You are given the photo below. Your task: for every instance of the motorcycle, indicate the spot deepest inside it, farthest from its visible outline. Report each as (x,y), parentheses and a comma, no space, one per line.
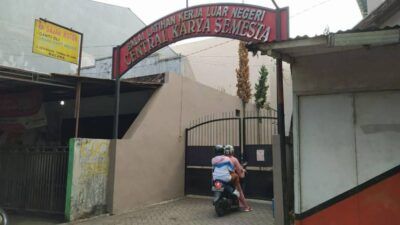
(3,217)
(225,200)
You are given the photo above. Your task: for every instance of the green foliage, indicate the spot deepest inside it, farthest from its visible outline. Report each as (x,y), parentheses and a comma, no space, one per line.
(262,89)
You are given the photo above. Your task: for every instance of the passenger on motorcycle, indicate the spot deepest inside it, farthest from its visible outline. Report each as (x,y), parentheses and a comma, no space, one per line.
(230,152)
(223,169)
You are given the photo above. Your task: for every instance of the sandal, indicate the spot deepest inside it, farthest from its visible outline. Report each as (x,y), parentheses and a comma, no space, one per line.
(248,209)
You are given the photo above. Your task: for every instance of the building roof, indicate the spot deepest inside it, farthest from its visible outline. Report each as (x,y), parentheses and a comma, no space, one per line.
(329,43)
(61,86)
(377,17)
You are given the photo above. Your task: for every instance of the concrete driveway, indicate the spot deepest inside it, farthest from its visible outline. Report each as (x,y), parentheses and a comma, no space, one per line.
(31,219)
(187,211)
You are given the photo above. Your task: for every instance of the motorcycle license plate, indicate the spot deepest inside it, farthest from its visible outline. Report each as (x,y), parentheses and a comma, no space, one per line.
(217,189)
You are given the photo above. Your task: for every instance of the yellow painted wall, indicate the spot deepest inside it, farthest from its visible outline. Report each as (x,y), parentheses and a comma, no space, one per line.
(87,178)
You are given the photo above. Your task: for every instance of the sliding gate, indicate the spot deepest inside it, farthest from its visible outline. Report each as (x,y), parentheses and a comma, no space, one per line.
(33,179)
(254,133)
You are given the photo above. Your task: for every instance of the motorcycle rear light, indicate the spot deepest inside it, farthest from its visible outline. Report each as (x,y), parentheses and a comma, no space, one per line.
(218,185)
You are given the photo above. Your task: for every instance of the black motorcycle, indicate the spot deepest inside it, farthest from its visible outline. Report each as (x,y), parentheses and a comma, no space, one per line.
(3,217)
(224,199)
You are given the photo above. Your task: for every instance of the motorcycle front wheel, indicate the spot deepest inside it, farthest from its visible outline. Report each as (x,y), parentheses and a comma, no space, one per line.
(3,217)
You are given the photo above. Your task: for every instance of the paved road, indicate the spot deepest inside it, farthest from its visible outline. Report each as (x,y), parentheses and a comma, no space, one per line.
(187,211)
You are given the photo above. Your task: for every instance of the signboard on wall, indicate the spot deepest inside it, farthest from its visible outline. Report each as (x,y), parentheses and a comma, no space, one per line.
(55,41)
(237,21)
(260,155)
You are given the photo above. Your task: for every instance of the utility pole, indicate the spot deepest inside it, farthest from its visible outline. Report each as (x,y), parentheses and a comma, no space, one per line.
(281,119)
(78,91)
(116,75)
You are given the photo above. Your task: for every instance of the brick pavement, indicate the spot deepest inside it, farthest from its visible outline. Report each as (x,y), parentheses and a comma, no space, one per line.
(186,211)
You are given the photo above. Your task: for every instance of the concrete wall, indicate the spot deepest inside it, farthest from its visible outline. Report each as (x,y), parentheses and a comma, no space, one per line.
(148,163)
(392,21)
(88,168)
(358,70)
(214,62)
(151,65)
(345,121)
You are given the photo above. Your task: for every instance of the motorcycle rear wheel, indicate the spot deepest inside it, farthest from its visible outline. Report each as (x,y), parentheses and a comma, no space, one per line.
(220,211)
(221,207)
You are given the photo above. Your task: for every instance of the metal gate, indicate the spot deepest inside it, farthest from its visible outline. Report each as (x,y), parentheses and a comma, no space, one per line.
(254,132)
(257,144)
(33,179)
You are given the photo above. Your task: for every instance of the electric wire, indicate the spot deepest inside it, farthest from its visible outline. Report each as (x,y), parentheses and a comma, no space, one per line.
(113,45)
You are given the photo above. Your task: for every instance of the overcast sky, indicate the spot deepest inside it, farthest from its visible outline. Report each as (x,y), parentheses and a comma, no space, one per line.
(307,17)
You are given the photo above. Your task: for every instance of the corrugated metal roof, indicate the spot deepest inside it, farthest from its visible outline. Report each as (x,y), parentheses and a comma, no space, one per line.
(354,30)
(328,43)
(61,86)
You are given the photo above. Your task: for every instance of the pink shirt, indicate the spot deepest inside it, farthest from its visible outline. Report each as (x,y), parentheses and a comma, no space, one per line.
(238,168)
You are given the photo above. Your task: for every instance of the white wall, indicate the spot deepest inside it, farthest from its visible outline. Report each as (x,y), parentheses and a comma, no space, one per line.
(377,132)
(346,126)
(326,147)
(346,140)
(103,26)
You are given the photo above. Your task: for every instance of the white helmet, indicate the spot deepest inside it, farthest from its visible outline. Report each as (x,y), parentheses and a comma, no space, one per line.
(229,150)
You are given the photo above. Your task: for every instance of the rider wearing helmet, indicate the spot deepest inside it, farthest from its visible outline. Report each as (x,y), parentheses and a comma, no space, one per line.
(223,169)
(240,171)
(229,151)
(219,150)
